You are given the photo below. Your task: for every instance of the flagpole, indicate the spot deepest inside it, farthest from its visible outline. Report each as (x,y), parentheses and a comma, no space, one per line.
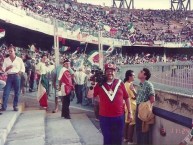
(56,43)
(85,48)
(100,50)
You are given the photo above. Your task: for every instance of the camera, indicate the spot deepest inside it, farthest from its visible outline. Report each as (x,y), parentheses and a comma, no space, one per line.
(98,76)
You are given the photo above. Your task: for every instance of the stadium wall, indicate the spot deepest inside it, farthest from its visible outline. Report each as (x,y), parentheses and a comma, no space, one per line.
(174,113)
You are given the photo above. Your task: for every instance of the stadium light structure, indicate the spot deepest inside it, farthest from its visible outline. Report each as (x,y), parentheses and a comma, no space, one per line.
(180,5)
(123,3)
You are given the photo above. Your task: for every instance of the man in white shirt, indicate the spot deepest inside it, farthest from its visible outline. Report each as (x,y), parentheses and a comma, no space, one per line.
(80,87)
(41,67)
(14,67)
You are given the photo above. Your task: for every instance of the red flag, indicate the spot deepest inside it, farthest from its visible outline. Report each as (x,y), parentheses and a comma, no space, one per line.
(62,40)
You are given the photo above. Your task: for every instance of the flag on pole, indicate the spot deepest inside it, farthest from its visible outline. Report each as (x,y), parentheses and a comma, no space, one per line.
(42,96)
(79,63)
(94,58)
(2,33)
(62,40)
(147,55)
(107,28)
(109,50)
(32,48)
(64,48)
(113,31)
(131,28)
(75,52)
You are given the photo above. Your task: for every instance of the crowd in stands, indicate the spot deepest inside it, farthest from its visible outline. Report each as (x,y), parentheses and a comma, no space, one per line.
(149,25)
(79,58)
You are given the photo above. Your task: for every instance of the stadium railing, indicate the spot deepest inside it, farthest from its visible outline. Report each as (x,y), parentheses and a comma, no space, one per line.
(175,74)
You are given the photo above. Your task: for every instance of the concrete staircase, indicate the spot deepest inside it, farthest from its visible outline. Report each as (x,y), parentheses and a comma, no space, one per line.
(28,129)
(39,127)
(88,133)
(59,131)
(7,120)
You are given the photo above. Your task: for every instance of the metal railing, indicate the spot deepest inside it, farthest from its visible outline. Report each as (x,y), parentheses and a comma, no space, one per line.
(177,74)
(171,77)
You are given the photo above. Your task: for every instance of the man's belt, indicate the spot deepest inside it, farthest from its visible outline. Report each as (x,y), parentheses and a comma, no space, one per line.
(12,74)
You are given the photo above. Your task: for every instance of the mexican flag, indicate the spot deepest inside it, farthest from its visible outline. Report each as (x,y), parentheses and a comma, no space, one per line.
(109,50)
(94,58)
(112,31)
(42,96)
(2,33)
(131,28)
(107,28)
(64,48)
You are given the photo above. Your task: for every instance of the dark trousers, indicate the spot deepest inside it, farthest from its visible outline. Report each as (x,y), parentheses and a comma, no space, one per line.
(96,109)
(112,129)
(142,138)
(79,89)
(65,106)
(31,81)
(12,81)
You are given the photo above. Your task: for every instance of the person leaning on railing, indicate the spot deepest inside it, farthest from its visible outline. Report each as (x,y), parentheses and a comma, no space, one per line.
(145,94)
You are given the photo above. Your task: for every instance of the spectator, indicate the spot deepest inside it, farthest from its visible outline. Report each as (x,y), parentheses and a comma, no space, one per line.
(145,93)
(130,126)
(112,94)
(65,86)
(14,67)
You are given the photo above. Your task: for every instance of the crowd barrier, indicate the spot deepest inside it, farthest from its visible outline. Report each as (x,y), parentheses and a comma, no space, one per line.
(178,74)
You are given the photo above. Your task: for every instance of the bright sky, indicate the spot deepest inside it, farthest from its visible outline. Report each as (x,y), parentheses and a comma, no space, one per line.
(138,4)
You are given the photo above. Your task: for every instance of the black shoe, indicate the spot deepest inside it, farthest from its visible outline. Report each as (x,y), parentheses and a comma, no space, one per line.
(77,102)
(15,109)
(54,111)
(1,113)
(31,90)
(67,117)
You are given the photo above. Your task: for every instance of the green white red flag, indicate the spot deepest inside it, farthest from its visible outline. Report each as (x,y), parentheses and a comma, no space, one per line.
(94,58)
(42,96)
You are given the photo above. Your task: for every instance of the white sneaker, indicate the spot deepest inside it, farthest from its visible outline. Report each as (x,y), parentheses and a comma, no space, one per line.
(131,143)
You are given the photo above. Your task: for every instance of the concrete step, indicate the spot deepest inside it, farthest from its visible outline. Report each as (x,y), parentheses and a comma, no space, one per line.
(59,131)
(29,129)
(89,134)
(7,120)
